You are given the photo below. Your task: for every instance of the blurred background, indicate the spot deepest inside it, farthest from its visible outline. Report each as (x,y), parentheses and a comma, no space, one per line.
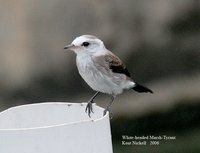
(158,40)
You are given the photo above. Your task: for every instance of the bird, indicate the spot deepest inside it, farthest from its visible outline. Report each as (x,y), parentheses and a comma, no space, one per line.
(102,70)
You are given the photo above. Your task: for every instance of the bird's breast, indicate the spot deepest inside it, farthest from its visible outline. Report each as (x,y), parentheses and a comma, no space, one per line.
(93,77)
(87,70)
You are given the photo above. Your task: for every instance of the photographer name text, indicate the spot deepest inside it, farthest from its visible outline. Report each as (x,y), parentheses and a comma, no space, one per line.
(146,140)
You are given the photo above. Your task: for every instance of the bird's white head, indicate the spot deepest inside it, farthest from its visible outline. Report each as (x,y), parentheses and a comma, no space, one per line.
(86,44)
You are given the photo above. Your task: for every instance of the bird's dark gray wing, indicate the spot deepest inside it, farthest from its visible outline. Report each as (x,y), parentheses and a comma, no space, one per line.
(116,65)
(113,63)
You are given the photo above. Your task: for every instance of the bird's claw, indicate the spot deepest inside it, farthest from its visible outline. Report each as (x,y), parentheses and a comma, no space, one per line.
(108,110)
(89,108)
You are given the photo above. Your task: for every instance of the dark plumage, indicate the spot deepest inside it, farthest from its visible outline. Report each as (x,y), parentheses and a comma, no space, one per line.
(116,65)
(140,88)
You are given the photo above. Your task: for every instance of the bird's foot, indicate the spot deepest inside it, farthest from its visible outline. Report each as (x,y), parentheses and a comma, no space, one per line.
(108,110)
(89,108)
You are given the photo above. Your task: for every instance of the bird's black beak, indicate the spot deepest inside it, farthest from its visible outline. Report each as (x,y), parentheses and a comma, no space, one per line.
(68,47)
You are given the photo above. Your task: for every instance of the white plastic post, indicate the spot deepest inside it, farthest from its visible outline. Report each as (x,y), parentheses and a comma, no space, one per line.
(54,128)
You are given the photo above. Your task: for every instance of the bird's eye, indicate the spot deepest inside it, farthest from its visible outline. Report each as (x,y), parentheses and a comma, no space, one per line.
(85,44)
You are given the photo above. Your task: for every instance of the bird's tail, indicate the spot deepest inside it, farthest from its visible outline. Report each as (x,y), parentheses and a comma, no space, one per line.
(140,88)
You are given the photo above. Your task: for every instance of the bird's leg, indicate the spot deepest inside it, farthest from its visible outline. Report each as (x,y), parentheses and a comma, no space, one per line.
(88,108)
(108,108)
